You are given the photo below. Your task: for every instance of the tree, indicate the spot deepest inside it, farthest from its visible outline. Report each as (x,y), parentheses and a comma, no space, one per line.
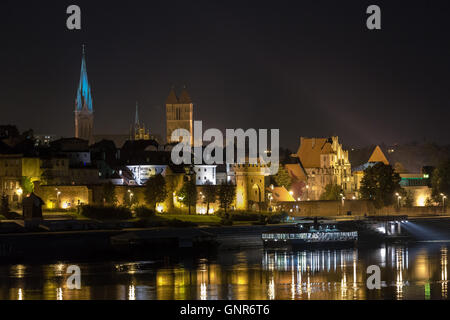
(440,180)
(26,185)
(47,177)
(109,194)
(129,199)
(188,193)
(408,197)
(155,190)
(4,207)
(332,192)
(380,183)
(282,178)
(429,202)
(210,194)
(174,182)
(227,194)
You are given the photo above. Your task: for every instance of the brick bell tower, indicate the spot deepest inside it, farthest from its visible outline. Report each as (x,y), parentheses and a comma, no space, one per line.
(179,114)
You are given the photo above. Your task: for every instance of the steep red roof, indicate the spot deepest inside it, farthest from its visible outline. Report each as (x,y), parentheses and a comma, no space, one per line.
(185,97)
(310,150)
(172,98)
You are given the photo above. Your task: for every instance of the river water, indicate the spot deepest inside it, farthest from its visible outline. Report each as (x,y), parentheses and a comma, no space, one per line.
(417,271)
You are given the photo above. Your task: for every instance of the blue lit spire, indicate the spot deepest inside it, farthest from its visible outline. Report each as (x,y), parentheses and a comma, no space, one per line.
(136,119)
(84,97)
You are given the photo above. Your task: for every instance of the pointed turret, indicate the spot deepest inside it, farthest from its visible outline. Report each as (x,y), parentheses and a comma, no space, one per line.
(185,97)
(172,98)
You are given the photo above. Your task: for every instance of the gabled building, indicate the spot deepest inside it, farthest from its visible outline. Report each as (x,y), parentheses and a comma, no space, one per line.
(12,168)
(417,184)
(325,162)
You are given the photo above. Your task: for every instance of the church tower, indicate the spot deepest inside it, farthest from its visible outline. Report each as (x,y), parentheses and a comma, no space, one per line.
(84,112)
(138,131)
(179,114)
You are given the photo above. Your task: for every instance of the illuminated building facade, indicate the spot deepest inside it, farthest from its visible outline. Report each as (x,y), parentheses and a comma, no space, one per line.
(325,162)
(250,185)
(205,174)
(416,184)
(142,173)
(12,169)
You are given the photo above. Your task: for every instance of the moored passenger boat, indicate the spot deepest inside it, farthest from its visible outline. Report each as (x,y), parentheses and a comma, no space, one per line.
(310,235)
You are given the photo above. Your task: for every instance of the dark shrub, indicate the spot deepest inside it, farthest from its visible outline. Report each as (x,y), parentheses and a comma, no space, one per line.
(262,220)
(226,222)
(144,212)
(4,206)
(277,218)
(180,224)
(245,217)
(106,212)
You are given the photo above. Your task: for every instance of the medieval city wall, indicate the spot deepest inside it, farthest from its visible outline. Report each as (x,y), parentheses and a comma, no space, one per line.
(356,207)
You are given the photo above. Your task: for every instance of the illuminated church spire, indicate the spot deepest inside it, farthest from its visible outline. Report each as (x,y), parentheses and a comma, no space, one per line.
(139,132)
(84,97)
(84,112)
(136,119)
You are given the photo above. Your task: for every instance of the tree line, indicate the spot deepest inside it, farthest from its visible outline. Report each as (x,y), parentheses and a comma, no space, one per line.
(156,190)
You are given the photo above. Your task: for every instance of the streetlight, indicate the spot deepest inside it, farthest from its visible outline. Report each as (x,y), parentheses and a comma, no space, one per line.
(443,201)
(131,194)
(57,198)
(19,192)
(398,199)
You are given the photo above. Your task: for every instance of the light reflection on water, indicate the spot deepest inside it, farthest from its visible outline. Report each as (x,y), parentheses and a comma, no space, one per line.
(415,272)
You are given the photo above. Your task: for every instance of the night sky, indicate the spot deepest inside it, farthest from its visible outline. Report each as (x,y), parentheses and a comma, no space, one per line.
(309,68)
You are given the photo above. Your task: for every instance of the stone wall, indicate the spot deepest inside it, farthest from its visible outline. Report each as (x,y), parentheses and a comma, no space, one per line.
(65,197)
(356,207)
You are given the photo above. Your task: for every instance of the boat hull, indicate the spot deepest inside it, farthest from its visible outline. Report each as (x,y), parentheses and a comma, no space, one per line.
(298,244)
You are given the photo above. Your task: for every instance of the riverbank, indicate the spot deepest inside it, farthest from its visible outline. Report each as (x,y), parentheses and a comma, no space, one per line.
(126,242)
(122,239)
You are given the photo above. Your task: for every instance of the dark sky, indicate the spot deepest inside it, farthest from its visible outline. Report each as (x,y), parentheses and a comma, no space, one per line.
(309,68)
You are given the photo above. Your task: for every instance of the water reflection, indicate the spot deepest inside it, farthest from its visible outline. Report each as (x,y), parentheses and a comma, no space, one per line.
(444,279)
(415,272)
